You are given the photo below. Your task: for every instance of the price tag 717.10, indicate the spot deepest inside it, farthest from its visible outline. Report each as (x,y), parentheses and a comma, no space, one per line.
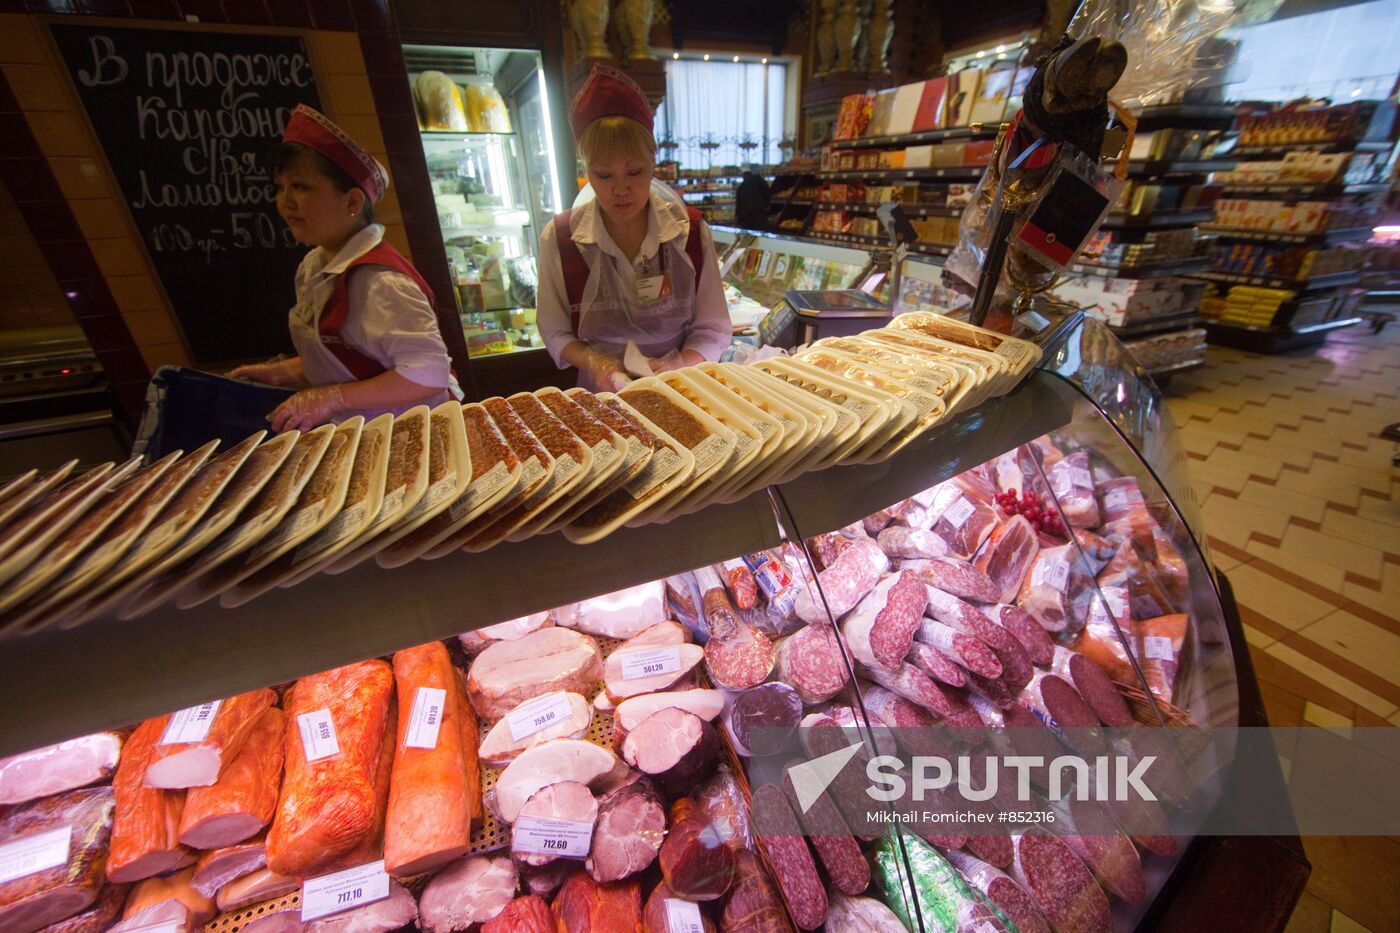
(343,890)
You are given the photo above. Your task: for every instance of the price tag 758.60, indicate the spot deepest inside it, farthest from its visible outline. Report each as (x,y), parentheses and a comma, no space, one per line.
(539,713)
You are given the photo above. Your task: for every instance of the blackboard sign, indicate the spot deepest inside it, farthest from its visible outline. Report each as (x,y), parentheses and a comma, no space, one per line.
(186,119)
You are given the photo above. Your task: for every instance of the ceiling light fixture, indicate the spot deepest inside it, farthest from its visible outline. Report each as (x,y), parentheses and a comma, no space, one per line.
(707,56)
(676,55)
(736,59)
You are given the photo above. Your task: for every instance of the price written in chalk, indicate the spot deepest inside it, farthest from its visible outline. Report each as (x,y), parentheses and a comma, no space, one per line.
(537,715)
(650,662)
(343,890)
(564,838)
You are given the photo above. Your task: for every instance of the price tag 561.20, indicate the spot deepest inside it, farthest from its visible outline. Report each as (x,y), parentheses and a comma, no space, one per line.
(343,890)
(537,714)
(649,662)
(564,838)
(318,737)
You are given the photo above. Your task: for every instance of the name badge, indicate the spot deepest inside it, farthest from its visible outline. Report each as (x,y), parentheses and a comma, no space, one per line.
(652,288)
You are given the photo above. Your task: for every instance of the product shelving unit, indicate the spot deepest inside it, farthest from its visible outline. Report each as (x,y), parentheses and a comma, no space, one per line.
(713,195)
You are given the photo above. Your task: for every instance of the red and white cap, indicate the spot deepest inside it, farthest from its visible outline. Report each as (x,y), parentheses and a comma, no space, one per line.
(313,129)
(608,93)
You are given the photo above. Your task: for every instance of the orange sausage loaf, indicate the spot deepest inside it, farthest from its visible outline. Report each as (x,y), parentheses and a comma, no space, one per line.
(146,832)
(245,797)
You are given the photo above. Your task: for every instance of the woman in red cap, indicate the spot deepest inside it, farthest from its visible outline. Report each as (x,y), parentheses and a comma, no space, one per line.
(632,265)
(366,337)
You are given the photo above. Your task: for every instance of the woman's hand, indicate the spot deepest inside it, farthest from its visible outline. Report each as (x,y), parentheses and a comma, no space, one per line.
(286,374)
(308,409)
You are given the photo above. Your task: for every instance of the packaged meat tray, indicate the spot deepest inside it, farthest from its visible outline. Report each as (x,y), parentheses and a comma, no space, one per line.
(405,482)
(23,494)
(799,429)
(754,432)
(609,457)
(1021,355)
(977,370)
(22,542)
(948,381)
(14,494)
(711,444)
(929,408)
(639,443)
(879,415)
(832,425)
(495,472)
(998,368)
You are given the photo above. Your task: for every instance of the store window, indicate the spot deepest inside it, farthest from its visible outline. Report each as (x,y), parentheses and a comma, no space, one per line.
(723,112)
(1344,54)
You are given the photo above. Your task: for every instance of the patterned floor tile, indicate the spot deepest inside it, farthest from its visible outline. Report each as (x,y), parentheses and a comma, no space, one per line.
(1276,600)
(1307,567)
(1345,555)
(1331,679)
(1358,641)
(1284,500)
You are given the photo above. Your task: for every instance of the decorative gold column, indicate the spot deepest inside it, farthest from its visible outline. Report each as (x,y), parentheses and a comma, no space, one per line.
(848,29)
(880,33)
(589,19)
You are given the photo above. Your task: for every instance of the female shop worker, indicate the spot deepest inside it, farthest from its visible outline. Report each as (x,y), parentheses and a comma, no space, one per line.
(363,326)
(634,264)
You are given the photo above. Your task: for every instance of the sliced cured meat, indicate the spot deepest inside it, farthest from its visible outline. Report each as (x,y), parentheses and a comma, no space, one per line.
(810,659)
(146,832)
(54,769)
(1063,889)
(954,576)
(167,917)
(585,906)
(663,903)
(500,747)
(1094,686)
(1025,629)
(899,541)
(435,786)
(279,919)
(44,897)
(624,674)
(963,521)
(244,799)
(845,581)
(696,863)
(469,891)
(630,829)
(1072,482)
(882,627)
(478,640)
(220,866)
(398,910)
(675,747)
(968,619)
(179,765)
(722,801)
(529,914)
(1046,592)
(261,885)
(1108,853)
(792,861)
(967,651)
(559,760)
(331,807)
(765,716)
(1057,704)
(546,882)
(1019,907)
(860,915)
(707,704)
(176,887)
(1007,556)
(878,521)
(740,583)
(913,685)
(617,615)
(994,850)
(509,672)
(566,800)
(829,835)
(740,658)
(96,918)
(754,905)
(936,664)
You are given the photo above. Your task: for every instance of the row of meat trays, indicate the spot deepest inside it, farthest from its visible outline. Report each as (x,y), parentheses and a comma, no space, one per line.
(125,539)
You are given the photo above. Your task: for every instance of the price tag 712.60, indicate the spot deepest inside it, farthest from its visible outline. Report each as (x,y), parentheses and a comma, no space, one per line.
(565,838)
(343,890)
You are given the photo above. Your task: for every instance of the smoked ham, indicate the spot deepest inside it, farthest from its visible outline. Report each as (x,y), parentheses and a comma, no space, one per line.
(243,800)
(585,906)
(434,793)
(509,672)
(97,918)
(259,886)
(176,887)
(177,765)
(558,760)
(221,866)
(54,769)
(467,892)
(36,899)
(501,747)
(332,808)
(529,914)
(146,834)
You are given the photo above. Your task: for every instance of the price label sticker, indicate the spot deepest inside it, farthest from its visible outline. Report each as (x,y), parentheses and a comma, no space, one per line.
(564,838)
(1117,599)
(425,719)
(537,714)
(683,916)
(1057,574)
(343,890)
(1081,477)
(318,738)
(649,662)
(959,512)
(1158,648)
(192,724)
(34,853)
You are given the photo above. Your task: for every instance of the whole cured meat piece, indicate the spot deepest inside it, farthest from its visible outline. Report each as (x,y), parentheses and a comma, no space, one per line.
(54,769)
(837,849)
(913,685)
(398,910)
(1025,629)
(954,576)
(585,906)
(1064,712)
(740,659)
(558,760)
(198,764)
(244,799)
(469,891)
(674,747)
(478,640)
(740,582)
(907,721)
(168,917)
(617,615)
(845,581)
(434,792)
(810,660)
(1110,631)
(529,914)
(656,916)
(509,672)
(176,887)
(968,619)
(218,867)
(1108,853)
(1072,482)
(874,524)
(1046,592)
(860,915)
(882,627)
(146,832)
(1094,686)
(754,904)
(36,900)
(900,541)
(1097,550)
(767,715)
(566,800)
(500,747)
(333,806)
(695,861)
(626,675)
(707,704)
(1019,907)
(261,885)
(968,651)
(1007,556)
(792,862)
(964,521)
(97,917)
(1162,638)
(826,548)
(1062,887)
(1171,567)
(936,664)
(722,801)
(994,850)
(628,834)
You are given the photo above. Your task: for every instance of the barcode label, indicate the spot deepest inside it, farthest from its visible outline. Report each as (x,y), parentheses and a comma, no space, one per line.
(425,719)
(192,724)
(343,525)
(604,453)
(318,739)
(709,453)
(481,490)
(343,890)
(1053,572)
(663,465)
(289,530)
(1158,648)
(434,497)
(389,511)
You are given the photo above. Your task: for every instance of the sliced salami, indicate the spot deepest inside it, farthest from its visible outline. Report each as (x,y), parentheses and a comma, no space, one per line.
(968,619)
(968,651)
(1063,711)
(994,850)
(836,848)
(954,576)
(882,627)
(791,859)
(742,659)
(1094,686)
(1026,630)
(1062,887)
(810,660)
(937,665)
(1110,855)
(1002,890)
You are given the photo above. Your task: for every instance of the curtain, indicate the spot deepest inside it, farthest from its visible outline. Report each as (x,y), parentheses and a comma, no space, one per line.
(723,102)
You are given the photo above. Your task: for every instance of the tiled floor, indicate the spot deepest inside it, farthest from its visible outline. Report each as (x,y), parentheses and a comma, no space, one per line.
(1302,507)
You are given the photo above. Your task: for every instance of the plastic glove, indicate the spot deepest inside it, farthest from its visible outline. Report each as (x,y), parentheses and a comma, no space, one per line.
(663,364)
(284,373)
(600,368)
(309,408)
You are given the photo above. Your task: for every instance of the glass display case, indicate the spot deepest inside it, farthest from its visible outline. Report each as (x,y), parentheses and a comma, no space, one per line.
(489,148)
(1018,564)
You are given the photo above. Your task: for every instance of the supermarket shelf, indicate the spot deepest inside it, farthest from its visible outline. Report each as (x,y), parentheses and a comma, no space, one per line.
(1187,116)
(1175,368)
(1264,152)
(976,131)
(872,242)
(910,210)
(1347,235)
(1154,270)
(1152,169)
(954,173)
(1333,280)
(1159,220)
(1151,328)
(1300,190)
(1272,339)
